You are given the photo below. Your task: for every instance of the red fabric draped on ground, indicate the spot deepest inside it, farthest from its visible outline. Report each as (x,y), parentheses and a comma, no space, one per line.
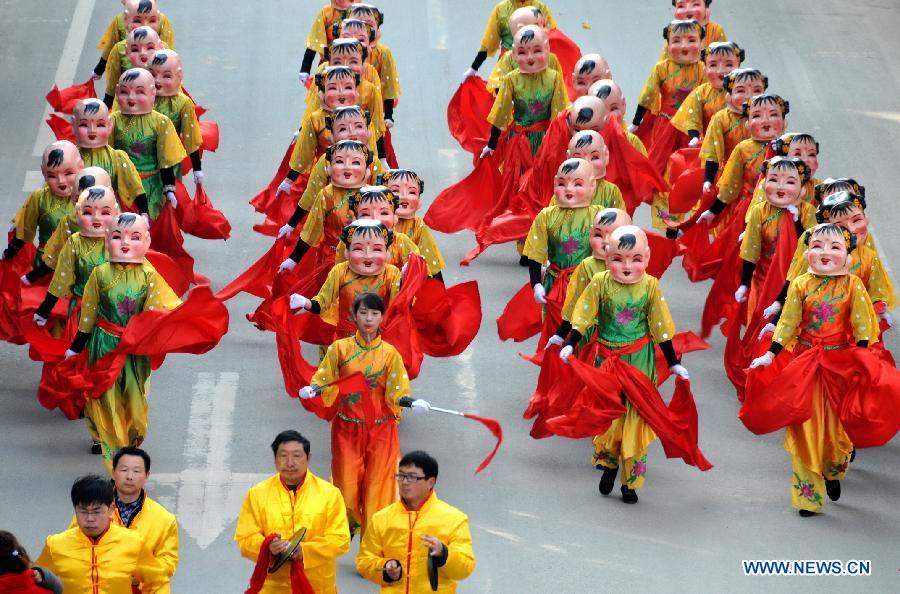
(299,582)
(195,327)
(631,171)
(465,204)
(166,237)
(686,177)
(862,388)
(65,100)
(567,52)
(467,115)
(264,200)
(11,293)
(199,217)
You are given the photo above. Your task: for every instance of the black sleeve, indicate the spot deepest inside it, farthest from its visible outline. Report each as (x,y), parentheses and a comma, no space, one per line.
(798,226)
(782,296)
(38,272)
(195,161)
(299,250)
(717,206)
(747,270)
(574,338)
(639,115)
(669,353)
(775,348)
(495,137)
(438,276)
(564,329)
(534,272)
(441,559)
(381,151)
(298,215)
(47,305)
(108,100)
(100,68)
(308,57)
(315,307)
(710,169)
(694,134)
(292,175)
(863,343)
(81,339)
(14,246)
(167,174)
(389,109)
(142,205)
(480,57)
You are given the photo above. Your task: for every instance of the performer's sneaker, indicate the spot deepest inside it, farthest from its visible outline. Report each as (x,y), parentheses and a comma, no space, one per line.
(608,479)
(629,495)
(833,488)
(805,513)
(96,449)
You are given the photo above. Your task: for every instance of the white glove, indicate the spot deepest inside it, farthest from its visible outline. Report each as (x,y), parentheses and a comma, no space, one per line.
(419,405)
(40,320)
(540,294)
(388,123)
(70,353)
(146,219)
(770,327)
(25,281)
(403,269)
(792,208)
(763,361)
(307,392)
(198,178)
(468,74)
(565,353)
(486,152)
(772,311)
(632,128)
(298,301)
(286,265)
(555,340)
(284,231)
(886,316)
(741,294)
(680,371)
(706,216)
(294,137)
(303,76)
(284,187)
(707,187)
(95,76)
(172,199)
(694,141)
(741,237)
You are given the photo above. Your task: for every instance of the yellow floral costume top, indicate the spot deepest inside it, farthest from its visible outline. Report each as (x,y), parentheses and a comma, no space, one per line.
(560,236)
(742,170)
(41,215)
(668,85)
(329,214)
(497,34)
(381,57)
(578,282)
(321,33)
(342,286)
(696,112)
(416,229)
(763,227)
(723,133)
(76,261)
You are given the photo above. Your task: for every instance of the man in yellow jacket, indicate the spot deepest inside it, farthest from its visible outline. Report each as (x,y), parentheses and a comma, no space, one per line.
(134,509)
(418,535)
(98,556)
(294,498)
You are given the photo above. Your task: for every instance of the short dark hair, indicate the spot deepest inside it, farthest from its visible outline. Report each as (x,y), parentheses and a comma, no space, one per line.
(290,435)
(421,460)
(131,451)
(92,488)
(370,300)
(13,558)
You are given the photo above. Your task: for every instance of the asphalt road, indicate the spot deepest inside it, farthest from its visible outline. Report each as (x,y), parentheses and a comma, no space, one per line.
(537,520)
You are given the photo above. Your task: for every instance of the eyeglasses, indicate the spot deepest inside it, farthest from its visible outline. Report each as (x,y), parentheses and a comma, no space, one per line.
(409,478)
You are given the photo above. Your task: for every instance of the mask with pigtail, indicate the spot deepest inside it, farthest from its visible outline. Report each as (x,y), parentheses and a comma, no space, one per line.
(588,113)
(609,91)
(847,210)
(531,49)
(766,117)
(841,184)
(684,40)
(719,59)
(349,53)
(828,248)
(800,145)
(338,86)
(89,177)
(355,29)
(697,10)
(140,13)
(141,45)
(347,164)
(740,85)
(367,242)
(784,180)
(375,203)
(349,123)
(590,146)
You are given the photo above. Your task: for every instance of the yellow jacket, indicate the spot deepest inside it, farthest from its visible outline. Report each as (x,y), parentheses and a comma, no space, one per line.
(318,506)
(395,533)
(107,566)
(158,527)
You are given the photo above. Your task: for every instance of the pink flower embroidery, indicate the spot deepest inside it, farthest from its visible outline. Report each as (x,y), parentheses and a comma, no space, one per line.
(570,245)
(625,316)
(807,490)
(639,469)
(825,311)
(127,307)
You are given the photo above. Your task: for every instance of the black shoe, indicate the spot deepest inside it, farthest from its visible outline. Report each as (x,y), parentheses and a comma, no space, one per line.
(805,513)
(523,261)
(853,455)
(629,495)
(96,449)
(608,480)
(671,233)
(833,488)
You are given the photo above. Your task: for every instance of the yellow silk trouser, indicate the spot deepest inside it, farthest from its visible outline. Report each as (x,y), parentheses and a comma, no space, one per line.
(626,439)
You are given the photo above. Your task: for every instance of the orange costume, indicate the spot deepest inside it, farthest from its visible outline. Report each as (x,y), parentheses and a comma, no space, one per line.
(341,287)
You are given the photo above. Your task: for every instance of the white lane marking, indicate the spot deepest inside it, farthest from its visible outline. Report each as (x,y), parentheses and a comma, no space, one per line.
(33,180)
(68,65)
(437,25)
(465,379)
(523,514)
(501,534)
(890,116)
(208,495)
